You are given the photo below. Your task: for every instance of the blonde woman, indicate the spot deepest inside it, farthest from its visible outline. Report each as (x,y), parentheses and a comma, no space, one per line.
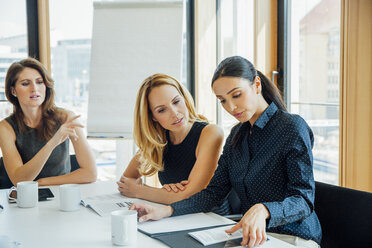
(174,141)
(35,139)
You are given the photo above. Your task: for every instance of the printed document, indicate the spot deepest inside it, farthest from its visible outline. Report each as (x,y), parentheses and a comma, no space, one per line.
(105,204)
(183,222)
(215,235)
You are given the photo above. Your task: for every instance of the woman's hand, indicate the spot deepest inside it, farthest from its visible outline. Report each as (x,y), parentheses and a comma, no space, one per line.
(66,130)
(176,186)
(148,212)
(254,226)
(130,186)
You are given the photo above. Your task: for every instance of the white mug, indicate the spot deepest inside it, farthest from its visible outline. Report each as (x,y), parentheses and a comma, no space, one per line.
(27,194)
(69,197)
(124,227)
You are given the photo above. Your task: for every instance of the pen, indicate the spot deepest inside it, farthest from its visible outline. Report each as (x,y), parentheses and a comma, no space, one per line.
(1,208)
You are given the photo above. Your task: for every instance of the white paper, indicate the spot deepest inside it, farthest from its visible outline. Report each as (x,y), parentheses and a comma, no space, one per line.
(215,235)
(105,204)
(184,222)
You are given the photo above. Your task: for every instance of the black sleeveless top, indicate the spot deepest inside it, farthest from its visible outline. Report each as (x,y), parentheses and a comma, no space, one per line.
(179,159)
(28,145)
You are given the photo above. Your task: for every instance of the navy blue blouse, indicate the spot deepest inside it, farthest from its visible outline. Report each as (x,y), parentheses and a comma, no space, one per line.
(273,165)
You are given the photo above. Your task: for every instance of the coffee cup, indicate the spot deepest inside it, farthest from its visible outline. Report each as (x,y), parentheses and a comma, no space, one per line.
(69,197)
(124,227)
(27,194)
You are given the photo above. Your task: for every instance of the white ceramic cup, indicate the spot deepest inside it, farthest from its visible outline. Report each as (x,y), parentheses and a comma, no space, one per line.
(27,194)
(124,227)
(69,197)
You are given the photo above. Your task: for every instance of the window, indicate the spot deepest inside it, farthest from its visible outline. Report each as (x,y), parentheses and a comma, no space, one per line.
(70,41)
(313,62)
(13,43)
(235,27)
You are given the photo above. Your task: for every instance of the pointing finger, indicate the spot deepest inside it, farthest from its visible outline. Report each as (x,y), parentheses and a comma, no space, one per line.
(73,118)
(234,228)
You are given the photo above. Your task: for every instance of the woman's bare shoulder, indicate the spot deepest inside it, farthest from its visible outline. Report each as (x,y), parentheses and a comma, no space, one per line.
(212,131)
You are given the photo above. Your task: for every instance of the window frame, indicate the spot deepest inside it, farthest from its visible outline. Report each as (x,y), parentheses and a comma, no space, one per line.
(33,28)
(284,69)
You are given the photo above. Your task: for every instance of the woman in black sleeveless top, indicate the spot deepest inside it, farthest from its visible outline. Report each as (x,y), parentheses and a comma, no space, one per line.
(34,139)
(173,141)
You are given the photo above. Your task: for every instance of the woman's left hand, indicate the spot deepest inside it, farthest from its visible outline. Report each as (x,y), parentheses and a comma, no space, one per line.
(129,186)
(254,226)
(176,187)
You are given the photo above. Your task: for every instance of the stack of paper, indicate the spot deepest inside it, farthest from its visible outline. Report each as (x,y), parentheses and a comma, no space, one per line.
(183,222)
(215,235)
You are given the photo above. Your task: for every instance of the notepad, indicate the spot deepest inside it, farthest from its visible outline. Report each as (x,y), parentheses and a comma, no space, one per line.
(183,222)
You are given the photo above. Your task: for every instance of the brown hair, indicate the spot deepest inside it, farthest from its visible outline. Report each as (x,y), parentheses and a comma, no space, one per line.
(51,117)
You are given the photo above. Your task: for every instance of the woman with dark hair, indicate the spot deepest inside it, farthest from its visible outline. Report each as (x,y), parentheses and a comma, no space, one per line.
(267,160)
(34,139)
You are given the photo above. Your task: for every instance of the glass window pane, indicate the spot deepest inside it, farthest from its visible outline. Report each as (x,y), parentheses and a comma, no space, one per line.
(13,43)
(70,40)
(314,75)
(235,37)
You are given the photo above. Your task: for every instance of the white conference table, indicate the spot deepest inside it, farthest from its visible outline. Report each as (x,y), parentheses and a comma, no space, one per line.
(45,226)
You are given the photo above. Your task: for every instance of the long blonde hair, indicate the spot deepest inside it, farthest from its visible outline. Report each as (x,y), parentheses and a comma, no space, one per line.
(150,136)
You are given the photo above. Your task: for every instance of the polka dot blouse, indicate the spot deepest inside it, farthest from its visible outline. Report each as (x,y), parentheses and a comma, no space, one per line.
(271,164)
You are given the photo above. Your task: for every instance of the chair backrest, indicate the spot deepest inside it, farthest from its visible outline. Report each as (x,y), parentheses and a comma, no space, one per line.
(5,182)
(234,202)
(345,216)
(235,206)
(74,163)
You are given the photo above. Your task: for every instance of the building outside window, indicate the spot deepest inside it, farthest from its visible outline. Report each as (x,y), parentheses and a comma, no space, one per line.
(313,55)
(314,78)
(13,43)
(70,40)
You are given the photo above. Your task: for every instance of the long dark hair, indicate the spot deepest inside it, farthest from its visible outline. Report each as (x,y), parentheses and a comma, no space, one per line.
(52,117)
(240,67)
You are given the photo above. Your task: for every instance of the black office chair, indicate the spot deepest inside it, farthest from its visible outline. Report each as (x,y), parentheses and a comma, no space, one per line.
(74,163)
(345,216)
(235,206)
(5,182)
